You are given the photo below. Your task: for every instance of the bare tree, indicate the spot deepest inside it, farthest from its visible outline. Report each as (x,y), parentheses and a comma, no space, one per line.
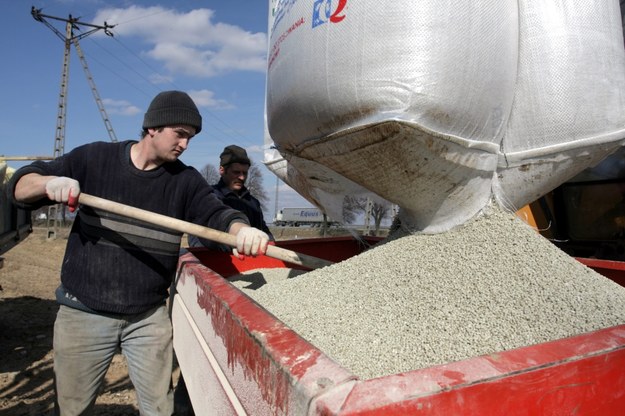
(210,173)
(255,185)
(351,208)
(378,210)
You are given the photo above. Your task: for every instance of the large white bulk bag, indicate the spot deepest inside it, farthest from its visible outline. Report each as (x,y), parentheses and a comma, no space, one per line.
(438,106)
(568,111)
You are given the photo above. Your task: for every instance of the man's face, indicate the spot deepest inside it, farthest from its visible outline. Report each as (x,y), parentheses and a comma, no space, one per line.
(170,142)
(234,176)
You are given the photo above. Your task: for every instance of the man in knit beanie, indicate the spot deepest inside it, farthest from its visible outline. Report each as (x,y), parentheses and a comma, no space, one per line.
(234,167)
(117,271)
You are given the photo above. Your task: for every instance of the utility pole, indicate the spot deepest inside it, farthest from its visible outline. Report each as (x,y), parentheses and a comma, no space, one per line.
(275,207)
(69,38)
(368,209)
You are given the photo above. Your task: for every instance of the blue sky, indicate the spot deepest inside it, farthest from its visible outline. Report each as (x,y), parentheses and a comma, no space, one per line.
(214,50)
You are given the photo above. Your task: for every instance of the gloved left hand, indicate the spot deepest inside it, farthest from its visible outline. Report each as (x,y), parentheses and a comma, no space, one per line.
(251,241)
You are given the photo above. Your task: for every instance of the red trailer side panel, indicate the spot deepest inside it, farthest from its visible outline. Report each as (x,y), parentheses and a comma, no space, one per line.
(582,375)
(270,368)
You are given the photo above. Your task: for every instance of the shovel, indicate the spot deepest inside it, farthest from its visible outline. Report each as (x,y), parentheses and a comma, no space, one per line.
(197,230)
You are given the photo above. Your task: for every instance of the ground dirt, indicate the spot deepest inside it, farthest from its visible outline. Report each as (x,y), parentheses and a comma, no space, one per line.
(28,277)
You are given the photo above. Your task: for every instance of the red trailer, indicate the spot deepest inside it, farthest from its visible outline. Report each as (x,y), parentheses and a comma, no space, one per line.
(239,359)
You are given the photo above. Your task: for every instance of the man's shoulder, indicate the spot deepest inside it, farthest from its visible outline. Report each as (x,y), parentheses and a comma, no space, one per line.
(180,169)
(253,198)
(110,145)
(101,146)
(220,189)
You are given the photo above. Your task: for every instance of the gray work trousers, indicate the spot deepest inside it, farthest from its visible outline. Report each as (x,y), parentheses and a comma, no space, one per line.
(84,345)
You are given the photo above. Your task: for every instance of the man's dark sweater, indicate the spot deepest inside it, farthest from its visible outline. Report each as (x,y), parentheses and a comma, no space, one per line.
(119,265)
(243,201)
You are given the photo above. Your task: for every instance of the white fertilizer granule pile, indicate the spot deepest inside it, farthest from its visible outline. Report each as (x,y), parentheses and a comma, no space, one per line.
(491,285)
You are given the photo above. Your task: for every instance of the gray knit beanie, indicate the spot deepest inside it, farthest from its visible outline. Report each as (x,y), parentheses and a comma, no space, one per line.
(233,154)
(172,107)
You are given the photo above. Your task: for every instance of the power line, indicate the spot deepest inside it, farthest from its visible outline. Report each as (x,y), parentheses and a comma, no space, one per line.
(209,112)
(125,64)
(230,135)
(118,75)
(227,132)
(141,17)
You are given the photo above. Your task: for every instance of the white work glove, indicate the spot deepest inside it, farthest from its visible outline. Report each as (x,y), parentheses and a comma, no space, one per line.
(64,190)
(251,242)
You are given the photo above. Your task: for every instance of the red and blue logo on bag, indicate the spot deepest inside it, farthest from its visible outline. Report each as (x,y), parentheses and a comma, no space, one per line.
(325,11)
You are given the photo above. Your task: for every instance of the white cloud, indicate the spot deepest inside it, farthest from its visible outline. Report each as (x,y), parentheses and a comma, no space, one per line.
(206,98)
(121,107)
(160,79)
(189,43)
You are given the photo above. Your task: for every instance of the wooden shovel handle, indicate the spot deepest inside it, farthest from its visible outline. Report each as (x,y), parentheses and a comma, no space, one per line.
(197,230)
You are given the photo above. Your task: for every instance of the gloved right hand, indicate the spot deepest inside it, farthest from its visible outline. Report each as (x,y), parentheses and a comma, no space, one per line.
(251,242)
(64,190)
